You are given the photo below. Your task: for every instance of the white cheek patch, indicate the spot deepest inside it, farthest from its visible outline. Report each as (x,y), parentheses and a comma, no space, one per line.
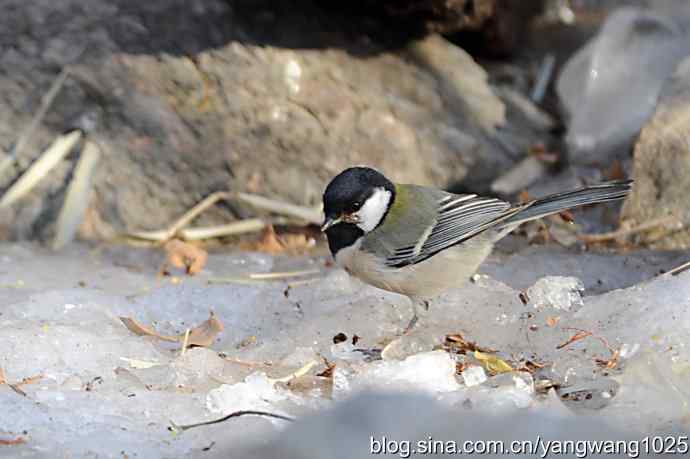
(374,209)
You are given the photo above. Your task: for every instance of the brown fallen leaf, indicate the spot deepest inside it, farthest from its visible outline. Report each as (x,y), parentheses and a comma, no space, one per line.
(269,242)
(17,386)
(328,371)
(552,321)
(455,342)
(12,441)
(138,329)
(530,366)
(206,332)
(183,255)
(611,362)
(201,335)
(273,243)
(29,380)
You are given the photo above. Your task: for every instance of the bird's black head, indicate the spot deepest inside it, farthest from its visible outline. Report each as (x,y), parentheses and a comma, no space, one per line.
(356,201)
(349,191)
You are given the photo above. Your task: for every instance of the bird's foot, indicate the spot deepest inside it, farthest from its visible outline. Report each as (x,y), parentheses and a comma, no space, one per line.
(411,324)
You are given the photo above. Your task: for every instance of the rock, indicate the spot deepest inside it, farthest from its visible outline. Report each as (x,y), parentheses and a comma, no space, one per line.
(462,80)
(662,167)
(609,88)
(188,98)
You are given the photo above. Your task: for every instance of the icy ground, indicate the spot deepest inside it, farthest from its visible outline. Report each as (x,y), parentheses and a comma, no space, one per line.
(94,389)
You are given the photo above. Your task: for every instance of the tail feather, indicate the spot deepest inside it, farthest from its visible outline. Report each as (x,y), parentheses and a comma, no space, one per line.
(610,191)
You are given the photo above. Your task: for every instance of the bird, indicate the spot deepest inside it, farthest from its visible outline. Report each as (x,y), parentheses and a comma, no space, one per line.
(421,241)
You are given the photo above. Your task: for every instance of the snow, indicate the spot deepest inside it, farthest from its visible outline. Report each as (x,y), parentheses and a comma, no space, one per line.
(556,292)
(97,389)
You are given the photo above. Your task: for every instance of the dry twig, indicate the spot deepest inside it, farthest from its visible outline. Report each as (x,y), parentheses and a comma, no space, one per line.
(307,214)
(27,133)
(181,428)
(60,147)
(581,334)
(678,269)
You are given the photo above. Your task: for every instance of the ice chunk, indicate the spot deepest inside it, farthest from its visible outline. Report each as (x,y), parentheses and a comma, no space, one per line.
(609,88)
(431,372)
(628,350)
(473,375)
(508,390)
(556,292)
(408,345)
(257,392)
(342,380)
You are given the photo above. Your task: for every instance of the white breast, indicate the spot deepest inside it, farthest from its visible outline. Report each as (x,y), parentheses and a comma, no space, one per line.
(427,279)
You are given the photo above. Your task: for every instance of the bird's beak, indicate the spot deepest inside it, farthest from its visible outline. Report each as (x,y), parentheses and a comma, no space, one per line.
(330,222)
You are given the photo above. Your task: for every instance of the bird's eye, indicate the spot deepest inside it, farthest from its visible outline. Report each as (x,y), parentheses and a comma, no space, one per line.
(356,205)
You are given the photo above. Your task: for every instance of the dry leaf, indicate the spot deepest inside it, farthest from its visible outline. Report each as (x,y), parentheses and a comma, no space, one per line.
(271,242)
(492,364)
(12,441)
(246,342)
(455,342)
(201,335)
(552,321)
(17,386)
(530,366)
(138,329)
(29,380)
(183,255)
(206,332)
(610,363)
(328,371)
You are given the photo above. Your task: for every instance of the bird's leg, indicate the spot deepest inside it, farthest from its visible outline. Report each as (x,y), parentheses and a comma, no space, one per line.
(415,316)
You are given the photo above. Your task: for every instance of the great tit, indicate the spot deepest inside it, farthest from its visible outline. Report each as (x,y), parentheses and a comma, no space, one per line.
(420,241)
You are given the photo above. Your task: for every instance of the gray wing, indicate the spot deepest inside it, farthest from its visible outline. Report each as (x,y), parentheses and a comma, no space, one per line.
(458,218)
